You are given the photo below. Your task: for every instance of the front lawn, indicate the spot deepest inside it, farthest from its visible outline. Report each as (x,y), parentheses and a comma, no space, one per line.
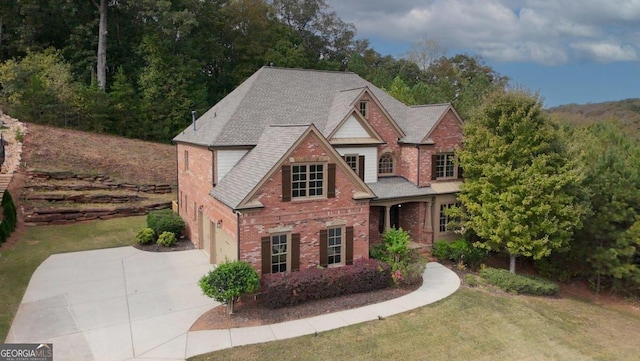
(18,263)
(471,324)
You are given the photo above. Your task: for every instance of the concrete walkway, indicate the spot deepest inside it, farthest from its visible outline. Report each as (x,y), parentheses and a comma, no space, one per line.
(126,304)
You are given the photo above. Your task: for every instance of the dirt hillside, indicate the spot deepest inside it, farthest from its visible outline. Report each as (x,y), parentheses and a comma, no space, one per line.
(126,160)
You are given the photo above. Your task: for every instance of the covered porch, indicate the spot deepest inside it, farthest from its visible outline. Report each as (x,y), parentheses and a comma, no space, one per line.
(418,210)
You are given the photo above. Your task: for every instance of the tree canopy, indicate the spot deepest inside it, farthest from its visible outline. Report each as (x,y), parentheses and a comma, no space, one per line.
(518,194)
(161,59)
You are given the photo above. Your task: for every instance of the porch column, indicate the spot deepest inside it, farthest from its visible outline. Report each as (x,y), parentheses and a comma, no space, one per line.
(428,216)
(387,217)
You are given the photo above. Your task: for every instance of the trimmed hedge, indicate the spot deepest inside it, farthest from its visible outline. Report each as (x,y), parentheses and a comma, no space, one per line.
(165,220)
(515,283)
(282,290)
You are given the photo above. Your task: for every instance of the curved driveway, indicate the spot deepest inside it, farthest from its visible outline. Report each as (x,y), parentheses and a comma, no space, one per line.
(113,304)
(125,304)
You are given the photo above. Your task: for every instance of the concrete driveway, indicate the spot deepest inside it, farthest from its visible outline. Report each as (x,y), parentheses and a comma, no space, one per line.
(113,304)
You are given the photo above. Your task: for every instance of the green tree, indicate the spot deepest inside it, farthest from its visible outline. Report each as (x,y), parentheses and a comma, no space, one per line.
(462,80)
(38,88)
(610,160)
(401,91)
(229,281)
(519,192)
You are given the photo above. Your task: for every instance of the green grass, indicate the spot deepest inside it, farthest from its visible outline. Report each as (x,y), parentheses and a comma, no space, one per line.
(472,324)
(18,263)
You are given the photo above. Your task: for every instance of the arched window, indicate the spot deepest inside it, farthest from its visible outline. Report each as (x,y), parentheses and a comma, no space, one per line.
(385,164)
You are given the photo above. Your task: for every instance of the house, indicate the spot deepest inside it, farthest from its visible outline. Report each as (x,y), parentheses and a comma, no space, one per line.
(299,168)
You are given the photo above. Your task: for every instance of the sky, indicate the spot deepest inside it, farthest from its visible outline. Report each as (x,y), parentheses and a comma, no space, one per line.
(569,51)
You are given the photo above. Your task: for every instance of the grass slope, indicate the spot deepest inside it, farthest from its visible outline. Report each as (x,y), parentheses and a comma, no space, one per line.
(470,325)
(123,159)
(18,263)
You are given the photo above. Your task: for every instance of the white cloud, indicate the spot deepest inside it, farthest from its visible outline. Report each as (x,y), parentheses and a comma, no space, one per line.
(605,52)
(543,31)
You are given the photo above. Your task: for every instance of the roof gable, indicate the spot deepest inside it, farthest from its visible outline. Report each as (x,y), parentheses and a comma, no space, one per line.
(354,129)
(243,181)
(370,95)
(421,120)
(449,110)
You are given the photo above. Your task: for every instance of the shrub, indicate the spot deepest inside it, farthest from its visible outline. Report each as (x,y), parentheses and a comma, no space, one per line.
(229,281)
(19,135)
(145,236)
(9,211)
(167,239)
(4,231)
(441,250)
(281,290)
(396,242)
(514,283)
(460,251)
(165,220)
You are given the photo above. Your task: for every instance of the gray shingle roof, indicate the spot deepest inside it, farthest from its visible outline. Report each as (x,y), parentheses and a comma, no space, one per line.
(274,143)
(397,187)
(293,96)
(419,121)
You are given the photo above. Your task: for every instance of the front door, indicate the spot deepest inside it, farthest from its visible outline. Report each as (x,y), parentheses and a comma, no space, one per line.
(394,216)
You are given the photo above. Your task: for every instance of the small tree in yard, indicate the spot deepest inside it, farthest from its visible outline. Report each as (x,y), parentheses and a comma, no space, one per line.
(229,281)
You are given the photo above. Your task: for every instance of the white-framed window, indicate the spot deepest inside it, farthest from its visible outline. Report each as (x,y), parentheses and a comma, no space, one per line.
(307,180)
(444,218)
(335,246)
(280,253)
(386,164)
(363,108)
(445,165)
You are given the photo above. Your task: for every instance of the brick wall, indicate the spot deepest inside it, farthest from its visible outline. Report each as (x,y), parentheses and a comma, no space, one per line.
(447,137)
(306,217)
(194,185)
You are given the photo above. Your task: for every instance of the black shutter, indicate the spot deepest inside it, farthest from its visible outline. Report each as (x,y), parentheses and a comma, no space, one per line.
(460,173)
(349,246)
(286,183)
(361,166)
(266,255)
(324,247)
(434,167)
(331,180)
(295,252)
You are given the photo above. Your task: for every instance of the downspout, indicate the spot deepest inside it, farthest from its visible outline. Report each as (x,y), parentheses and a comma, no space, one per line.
(418,146)
(178,179)
(238,231)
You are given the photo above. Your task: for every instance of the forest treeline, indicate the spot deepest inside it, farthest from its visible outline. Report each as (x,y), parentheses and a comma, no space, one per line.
(164,58)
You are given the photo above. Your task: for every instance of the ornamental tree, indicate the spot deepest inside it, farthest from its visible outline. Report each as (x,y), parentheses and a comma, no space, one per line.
(229,281)
(519,193)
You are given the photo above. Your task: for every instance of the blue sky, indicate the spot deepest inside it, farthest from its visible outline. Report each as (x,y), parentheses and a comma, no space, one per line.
(569,51)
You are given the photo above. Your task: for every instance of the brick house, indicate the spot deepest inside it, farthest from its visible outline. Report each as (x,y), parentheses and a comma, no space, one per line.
(298,168)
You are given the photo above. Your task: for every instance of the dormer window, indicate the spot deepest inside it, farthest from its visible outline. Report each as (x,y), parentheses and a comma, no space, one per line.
(364,107)
(385,164)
